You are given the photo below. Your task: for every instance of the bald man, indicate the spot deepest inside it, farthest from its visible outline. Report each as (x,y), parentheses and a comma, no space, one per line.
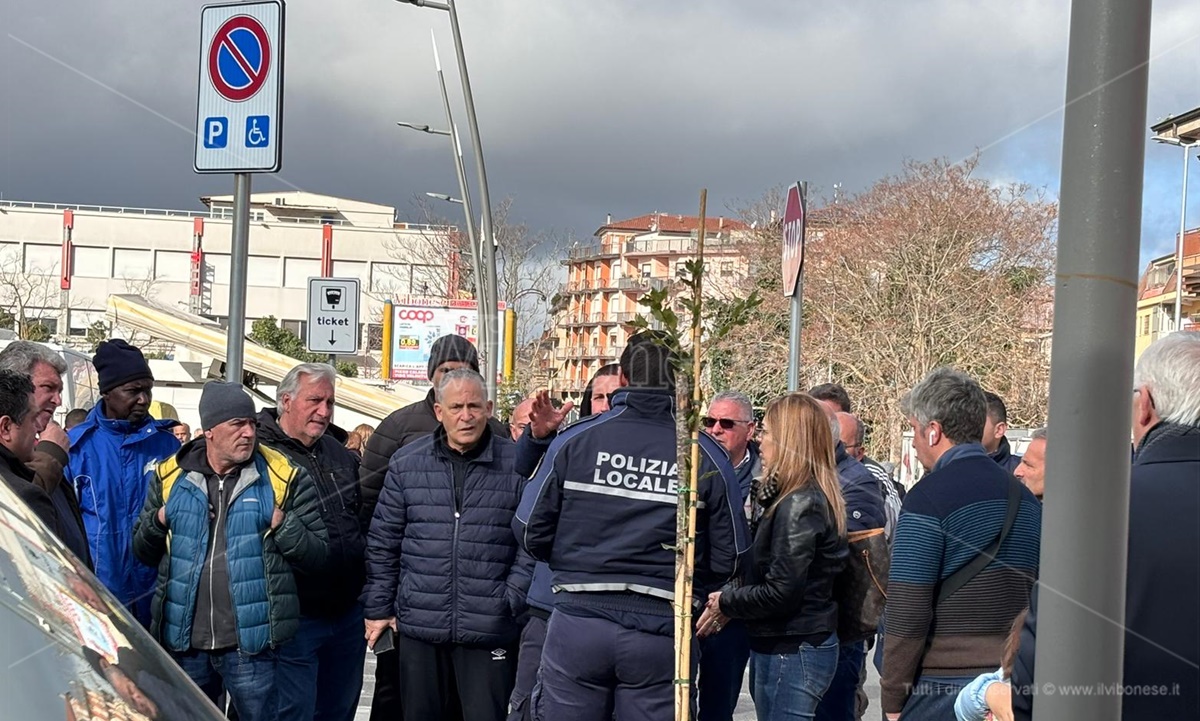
(520,418)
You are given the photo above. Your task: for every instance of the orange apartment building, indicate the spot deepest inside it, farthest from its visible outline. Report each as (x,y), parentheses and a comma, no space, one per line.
(1157,289)
(606,277)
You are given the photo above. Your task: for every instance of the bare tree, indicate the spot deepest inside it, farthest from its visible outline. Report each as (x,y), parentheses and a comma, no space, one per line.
(27,291)
(930,267)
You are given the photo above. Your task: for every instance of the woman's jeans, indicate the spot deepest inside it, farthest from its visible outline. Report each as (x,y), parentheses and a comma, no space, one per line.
(790,685)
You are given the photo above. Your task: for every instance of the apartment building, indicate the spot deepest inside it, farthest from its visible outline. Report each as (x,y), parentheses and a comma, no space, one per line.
(60,262)
(606,277)
(1157,291)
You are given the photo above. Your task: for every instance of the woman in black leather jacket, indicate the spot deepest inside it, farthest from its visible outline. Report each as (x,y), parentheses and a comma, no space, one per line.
(799,548)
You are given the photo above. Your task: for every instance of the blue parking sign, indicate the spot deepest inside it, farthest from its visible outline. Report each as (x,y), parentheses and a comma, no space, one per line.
(258,131)
(216,132)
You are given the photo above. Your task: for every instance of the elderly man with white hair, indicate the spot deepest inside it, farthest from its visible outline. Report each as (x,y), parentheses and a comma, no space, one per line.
(1162,588)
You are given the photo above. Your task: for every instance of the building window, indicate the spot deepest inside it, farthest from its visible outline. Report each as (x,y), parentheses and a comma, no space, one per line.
(680,268)
(294,326)
(1145,329)
(374,336)
(647,269)
(726,268)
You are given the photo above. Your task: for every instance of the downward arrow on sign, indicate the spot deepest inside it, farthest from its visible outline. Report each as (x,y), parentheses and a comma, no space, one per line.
(332,338)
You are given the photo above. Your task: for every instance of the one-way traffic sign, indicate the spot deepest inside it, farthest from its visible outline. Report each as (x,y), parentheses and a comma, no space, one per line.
(332,316)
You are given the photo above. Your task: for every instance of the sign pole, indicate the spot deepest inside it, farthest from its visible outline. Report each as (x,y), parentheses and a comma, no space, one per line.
(1081,600)
(239,260)
(794,220)
(797,323)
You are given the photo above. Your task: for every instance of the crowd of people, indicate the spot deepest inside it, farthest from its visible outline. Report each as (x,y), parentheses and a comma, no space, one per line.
(526,570)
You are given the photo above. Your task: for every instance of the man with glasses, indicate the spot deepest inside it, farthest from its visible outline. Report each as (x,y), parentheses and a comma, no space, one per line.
(723,655)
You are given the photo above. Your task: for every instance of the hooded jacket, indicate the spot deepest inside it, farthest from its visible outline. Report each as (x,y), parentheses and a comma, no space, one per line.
(334,471)
(1005,457)
(259,609)
(109,464)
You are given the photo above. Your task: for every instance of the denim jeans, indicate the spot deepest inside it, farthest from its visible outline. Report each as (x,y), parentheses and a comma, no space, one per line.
(790,685)
(249,680)
(321,669)
(840,702)
(932,698)
(722,664)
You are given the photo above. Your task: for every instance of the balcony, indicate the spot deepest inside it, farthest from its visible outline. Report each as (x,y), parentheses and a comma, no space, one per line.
(592,284)
(623,318)
(601,352)
(593,251)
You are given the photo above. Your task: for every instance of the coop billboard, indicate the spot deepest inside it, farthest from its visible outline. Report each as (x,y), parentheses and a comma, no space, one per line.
(416,325)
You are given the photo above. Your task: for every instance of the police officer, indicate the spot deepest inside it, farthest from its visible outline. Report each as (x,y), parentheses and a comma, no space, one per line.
(601,512)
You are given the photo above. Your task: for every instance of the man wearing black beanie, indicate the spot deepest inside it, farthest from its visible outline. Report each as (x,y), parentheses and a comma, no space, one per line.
(411,423)
(111,453)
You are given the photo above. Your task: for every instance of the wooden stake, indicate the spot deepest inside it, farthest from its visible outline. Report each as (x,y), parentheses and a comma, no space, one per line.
(688,441)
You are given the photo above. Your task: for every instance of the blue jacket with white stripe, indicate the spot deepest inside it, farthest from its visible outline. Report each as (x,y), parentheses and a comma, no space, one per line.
(601,508)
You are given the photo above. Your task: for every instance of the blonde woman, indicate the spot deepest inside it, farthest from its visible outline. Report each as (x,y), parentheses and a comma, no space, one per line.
(799,548)
(356,440)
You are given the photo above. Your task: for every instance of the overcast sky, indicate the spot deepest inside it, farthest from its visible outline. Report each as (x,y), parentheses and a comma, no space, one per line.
(586,108)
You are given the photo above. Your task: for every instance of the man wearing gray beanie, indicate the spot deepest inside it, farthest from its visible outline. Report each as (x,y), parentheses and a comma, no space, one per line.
(241,517)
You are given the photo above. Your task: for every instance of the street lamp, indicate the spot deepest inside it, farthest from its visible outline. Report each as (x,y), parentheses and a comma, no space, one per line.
(447,198)
(1182,225)
(490,324)
(423,128)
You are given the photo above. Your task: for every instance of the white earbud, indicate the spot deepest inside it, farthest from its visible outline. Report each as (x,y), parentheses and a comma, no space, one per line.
(931,434)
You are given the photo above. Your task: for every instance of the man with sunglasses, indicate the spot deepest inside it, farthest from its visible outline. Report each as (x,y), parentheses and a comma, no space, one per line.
(723,655)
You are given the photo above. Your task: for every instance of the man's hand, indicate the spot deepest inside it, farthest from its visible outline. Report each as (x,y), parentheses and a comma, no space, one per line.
(276,518)
(543,418)
(56,435)
(162,516)
(712,620)
(375,628)
(893,717)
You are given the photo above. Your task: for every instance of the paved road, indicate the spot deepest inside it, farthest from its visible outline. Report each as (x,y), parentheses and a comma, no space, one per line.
(745,709)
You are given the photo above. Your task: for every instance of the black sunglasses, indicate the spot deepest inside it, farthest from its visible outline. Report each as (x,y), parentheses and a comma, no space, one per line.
(726,423)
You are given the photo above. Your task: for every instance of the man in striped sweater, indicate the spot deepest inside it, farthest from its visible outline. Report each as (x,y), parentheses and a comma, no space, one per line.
(932,649)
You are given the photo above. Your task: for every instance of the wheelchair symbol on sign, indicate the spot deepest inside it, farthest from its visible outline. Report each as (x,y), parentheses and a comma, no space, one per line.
(258,129)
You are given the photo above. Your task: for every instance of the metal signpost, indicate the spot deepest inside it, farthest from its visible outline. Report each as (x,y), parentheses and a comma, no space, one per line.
(333,319)
(239,126)
(1081,597)
(793,273)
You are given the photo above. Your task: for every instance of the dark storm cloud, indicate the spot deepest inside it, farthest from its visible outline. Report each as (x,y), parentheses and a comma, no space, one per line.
(586,108)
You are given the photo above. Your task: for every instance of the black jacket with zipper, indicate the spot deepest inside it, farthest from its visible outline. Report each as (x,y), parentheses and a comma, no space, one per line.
(335,471)
(798,554)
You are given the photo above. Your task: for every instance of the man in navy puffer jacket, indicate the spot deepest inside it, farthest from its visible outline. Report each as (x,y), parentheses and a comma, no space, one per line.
(439,554)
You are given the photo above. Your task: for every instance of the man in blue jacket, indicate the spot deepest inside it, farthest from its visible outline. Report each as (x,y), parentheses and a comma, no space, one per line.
(112,453)
(440,551)
(864,511)
(601,512)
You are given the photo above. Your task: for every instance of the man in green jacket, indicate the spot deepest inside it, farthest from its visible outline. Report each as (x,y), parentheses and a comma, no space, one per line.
(226,521)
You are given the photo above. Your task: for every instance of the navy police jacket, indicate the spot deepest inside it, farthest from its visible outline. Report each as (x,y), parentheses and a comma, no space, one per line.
(601,508)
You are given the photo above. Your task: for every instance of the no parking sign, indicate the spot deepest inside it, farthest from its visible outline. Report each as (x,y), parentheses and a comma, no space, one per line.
(240,97)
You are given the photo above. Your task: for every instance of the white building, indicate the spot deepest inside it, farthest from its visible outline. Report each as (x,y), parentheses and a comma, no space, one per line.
(181,259)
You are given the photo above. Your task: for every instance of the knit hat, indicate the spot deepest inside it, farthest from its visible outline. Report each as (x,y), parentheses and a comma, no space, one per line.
(452,348)
(118,363)
(220,402)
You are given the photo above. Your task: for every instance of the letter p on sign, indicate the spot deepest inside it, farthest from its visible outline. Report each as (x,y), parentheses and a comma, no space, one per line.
(216,132)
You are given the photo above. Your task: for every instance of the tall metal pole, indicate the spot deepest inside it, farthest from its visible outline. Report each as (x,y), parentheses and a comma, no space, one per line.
(797,304)
(239,259)
(1179,247)
(1081,600)
(488,305)
(461,171)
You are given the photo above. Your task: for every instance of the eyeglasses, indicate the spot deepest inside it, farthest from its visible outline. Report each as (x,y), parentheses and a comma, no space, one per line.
(726,423)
